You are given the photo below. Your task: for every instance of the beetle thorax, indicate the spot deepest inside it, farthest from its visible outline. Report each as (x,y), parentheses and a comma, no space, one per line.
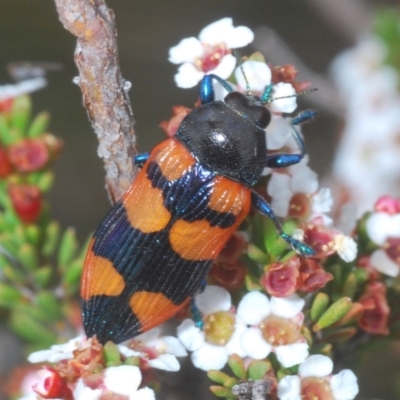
(228,136)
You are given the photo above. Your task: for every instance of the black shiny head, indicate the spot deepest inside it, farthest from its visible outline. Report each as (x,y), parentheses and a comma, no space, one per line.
(228,136)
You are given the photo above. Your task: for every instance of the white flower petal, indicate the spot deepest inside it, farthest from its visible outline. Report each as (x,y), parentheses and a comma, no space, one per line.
(223,32)
(57,352)
(83,392)
(210,357)
(190,336)
(278,182)
(127,352)
(278,132)
(346,247)
(213,299)
(322,201)
(344,385)
(384,264)
(287,307)
(239,37)
(234,344)
(289,388)
(20,88)
(304,179)
(257,74)
(216,32)
(380,226)
(124,379)
(143,394)
(317,366)
(188,76)
(188,50)
(254,344)
(166,362)
(253,308)
(287,104)
(225,67)
(291,354)
(174,346)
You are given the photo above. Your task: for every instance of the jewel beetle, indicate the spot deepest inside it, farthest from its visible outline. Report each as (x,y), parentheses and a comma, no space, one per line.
(153,250)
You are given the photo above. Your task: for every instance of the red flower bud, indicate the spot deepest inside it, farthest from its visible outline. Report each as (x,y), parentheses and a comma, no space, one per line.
(387,204)
(374,318)
(299,206)
(27,202)
(6,105)
(320,238)
(312,276)
(28,155)
(229,275)
(233,249)
(280,280)
(178,113)
(52,385)
(5,166)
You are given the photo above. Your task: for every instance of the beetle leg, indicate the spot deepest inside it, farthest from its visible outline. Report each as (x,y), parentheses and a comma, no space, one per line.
(196,314)
(287,159)
(264,208)
(140,159)
(206,90)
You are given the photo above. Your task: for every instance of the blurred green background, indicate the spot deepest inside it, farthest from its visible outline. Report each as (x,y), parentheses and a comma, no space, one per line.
(30,30)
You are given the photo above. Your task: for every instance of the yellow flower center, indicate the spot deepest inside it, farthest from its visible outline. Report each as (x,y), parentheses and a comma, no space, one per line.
(219,327)
(279,331)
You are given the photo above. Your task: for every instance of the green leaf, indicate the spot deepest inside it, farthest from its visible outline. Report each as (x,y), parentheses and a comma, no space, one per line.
(220,391)
(257,255)
(258,368)
(28,257)
(29,329)
(33,234)
(73,272)
(45,181)
(252,283)
(229,383)
(21,113)
(68,248)
(5,139)
(134,360)
(111,353)
(51,238)
(42,276)
(39,125)
(350,285)
(336,311)
(237,366)
(319,306)
(51,307)
(218,376)
(9,295)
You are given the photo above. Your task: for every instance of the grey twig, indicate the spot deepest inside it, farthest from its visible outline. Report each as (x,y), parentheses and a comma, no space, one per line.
(103,88)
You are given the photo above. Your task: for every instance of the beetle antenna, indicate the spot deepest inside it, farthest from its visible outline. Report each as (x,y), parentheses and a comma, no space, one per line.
(240,62)
(271,99)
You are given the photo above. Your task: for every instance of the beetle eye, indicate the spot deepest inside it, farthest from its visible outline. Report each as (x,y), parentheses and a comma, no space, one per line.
(249,107)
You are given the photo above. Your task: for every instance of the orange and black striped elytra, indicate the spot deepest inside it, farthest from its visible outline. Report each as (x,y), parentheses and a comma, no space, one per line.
(153,250)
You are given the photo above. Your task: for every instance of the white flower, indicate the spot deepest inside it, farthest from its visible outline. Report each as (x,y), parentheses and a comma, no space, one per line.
(380,226)
(163,350)
(288,102)
(282,186)
(57,352)
(346,247)
(215,305)
(258,311)
(83,392)
(279,131)
(384,264)
(258,76)
(125,380)
(343,386)
(210,54)
(20,88)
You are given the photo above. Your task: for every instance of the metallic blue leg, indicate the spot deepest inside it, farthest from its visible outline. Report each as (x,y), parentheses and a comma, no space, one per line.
(264,208)
(206,90)
(141,159)
(284,160)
